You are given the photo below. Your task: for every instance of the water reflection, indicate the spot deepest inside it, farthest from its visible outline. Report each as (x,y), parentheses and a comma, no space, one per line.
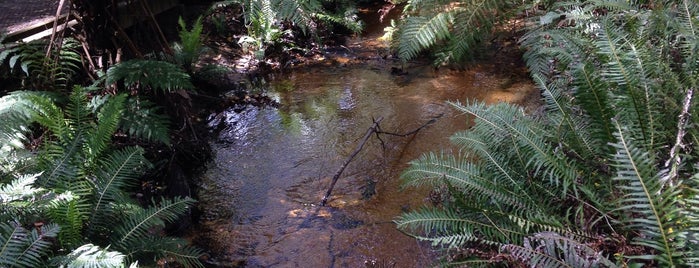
(273,165)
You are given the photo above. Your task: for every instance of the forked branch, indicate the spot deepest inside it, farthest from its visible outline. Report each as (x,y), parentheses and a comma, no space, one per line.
(374,129)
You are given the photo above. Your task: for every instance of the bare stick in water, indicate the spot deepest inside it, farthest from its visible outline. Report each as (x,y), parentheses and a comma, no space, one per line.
(369,131)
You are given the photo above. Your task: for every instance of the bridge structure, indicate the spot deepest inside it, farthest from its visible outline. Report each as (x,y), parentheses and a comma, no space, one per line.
(27,20)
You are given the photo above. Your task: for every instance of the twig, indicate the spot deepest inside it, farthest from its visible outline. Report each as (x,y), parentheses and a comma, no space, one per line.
(432,121)
(369,131)
(55,27)
(374,129)
(674,161)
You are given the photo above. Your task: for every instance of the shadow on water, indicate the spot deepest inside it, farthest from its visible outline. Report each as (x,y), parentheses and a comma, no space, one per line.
(272,166)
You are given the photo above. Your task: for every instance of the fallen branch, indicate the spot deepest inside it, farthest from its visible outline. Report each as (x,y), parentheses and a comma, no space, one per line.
(369,131)
(674,162)
(375,128)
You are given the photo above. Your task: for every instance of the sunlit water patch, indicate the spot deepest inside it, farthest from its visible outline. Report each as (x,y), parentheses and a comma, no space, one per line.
(272,166)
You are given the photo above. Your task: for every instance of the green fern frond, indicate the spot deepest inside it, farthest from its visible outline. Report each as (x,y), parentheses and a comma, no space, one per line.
(138,225)
(23,248)
(71,216)
(564,120)
(19,189)
(507,119)
(453,229)
(92,256)
(419,33)
(300,13)
(688,234)
(592,95)
(192,44)
(156,75)
(456,26)
(108,118)
(174,250)
(553,250)
(115,173)
(144,120)
(645,199)
(431,169)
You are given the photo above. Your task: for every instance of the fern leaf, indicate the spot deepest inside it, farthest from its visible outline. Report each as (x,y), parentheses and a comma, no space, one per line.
(644,196)
(509,120)
(108,118)
(71,216)
(419,33)
(157,75)
(138,225)
(116,171)
(19,189)
(92,256)
(452,229)
(144,119)
(174,250)
(433,170)
(22,248)
(553,250)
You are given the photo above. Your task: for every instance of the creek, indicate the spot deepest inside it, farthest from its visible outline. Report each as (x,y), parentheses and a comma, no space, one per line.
(272,165)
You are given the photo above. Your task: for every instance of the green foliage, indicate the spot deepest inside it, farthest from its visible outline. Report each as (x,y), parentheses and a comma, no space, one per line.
(78,160)
(454,28)
(149,74)
(610,161)
(20,247)
(271,22)
(30,61)
(92,256)
(553,250)
(191,44)
(134,237)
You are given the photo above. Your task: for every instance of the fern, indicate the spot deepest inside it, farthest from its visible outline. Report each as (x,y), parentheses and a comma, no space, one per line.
(92,256)
(41,72)
(644,200)
(191,47)
(144,120)
(115,173)
(419,33)
(20,189)
(553,250)
(156,75)
(597,162)
(133,235)
(456,26)
(23,248)
(71,216)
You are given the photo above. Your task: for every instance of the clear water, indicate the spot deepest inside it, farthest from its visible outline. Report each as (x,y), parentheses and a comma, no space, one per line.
(272,166)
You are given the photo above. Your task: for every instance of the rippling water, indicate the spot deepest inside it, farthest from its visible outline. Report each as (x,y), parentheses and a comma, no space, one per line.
(273,165)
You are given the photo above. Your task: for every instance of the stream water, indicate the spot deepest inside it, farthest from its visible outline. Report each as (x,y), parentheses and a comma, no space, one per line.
(272,165)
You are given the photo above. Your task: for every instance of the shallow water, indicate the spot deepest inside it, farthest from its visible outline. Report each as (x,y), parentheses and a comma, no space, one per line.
(272,165)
